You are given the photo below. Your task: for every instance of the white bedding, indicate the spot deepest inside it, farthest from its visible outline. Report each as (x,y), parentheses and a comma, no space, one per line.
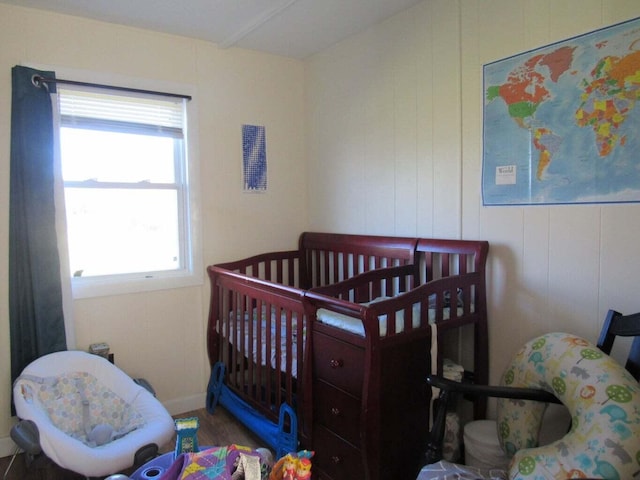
(256,343)
(444,470)
(355,325)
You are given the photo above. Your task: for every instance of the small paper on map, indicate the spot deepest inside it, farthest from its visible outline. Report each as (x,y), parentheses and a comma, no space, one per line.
(506,175)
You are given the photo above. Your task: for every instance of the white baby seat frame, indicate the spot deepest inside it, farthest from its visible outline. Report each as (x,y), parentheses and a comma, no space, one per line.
(106,449)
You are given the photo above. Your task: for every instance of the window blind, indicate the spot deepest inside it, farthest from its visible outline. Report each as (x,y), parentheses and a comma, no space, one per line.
(133,113)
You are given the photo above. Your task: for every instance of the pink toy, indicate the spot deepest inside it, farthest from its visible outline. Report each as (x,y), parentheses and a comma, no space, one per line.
(293,466)
(304,469)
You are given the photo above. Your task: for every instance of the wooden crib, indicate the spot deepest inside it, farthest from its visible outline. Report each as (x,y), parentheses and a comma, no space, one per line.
(259,299)
(376,336)
(353,388)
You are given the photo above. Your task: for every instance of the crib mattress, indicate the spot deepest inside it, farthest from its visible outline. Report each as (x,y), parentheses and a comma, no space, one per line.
(258,327)
(354,325)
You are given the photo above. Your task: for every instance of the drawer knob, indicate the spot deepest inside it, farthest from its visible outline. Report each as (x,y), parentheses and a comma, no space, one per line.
(335,363)
(335,411)
(336,459)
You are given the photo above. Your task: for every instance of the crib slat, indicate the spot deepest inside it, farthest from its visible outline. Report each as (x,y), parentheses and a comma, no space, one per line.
(270,370)
(428,259)
(289,358)
(344,256)
(233,334)
(408,318)
(444,264)
(323,268)
(292,276)
(247,336)
(267,271)
(328,267)
(462,263)
(334,266)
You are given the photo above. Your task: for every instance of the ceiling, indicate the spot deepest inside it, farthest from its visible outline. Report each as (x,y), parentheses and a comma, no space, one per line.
(291,28)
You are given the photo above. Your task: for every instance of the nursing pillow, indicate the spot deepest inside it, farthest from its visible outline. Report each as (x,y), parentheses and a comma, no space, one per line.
(602,398)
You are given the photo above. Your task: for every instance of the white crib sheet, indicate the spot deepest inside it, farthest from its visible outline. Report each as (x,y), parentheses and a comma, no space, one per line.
(354,325)
(256,342)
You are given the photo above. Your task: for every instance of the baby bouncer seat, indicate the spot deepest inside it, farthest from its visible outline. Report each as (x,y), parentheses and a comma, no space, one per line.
(88,415)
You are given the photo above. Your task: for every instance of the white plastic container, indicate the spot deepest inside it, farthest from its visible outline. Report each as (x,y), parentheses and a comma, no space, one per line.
(482,447)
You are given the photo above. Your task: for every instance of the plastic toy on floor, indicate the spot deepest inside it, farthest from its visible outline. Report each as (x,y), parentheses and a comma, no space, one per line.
(293,466)
(187,435)
(231,462)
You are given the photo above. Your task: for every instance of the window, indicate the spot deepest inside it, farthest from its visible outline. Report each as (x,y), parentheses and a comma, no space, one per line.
(125,171)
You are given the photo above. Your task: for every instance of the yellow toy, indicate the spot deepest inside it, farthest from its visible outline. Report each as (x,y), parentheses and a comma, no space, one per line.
(304,469)
(293,466)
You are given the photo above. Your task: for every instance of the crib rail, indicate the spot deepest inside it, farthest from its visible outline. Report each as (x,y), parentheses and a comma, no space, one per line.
(447,302)
(279,267)
(259,331)
(445,293)
(333,257)
(437,258)
(367,286)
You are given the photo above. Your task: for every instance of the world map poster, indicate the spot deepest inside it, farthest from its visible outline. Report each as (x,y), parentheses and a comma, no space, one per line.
(561,124)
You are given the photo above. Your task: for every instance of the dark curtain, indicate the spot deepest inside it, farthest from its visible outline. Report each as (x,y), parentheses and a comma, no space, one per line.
(35,295)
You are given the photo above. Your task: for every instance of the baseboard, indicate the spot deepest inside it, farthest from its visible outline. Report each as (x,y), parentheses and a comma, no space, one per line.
(186,404)
(7,447)
(174,407)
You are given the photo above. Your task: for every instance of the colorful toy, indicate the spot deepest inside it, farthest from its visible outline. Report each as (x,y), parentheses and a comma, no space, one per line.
(293,466)
(187,435)
(304,469)
(229,462)
(289,468)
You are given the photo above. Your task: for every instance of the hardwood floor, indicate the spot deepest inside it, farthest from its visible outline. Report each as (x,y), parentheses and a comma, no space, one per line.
(217,429)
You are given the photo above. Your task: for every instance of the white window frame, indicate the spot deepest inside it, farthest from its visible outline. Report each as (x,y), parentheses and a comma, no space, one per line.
(192,273)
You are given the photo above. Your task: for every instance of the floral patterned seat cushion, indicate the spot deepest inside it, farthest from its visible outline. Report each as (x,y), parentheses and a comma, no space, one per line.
(604,402)
(62,398)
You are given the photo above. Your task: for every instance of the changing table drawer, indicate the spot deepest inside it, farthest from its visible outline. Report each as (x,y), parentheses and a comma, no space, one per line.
(338,411)
(338,363)
(337,458)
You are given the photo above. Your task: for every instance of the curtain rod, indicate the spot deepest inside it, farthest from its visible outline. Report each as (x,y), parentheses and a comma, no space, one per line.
(38,79)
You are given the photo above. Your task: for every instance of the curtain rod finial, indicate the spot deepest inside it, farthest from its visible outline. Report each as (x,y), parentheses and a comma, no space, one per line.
(39,81)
